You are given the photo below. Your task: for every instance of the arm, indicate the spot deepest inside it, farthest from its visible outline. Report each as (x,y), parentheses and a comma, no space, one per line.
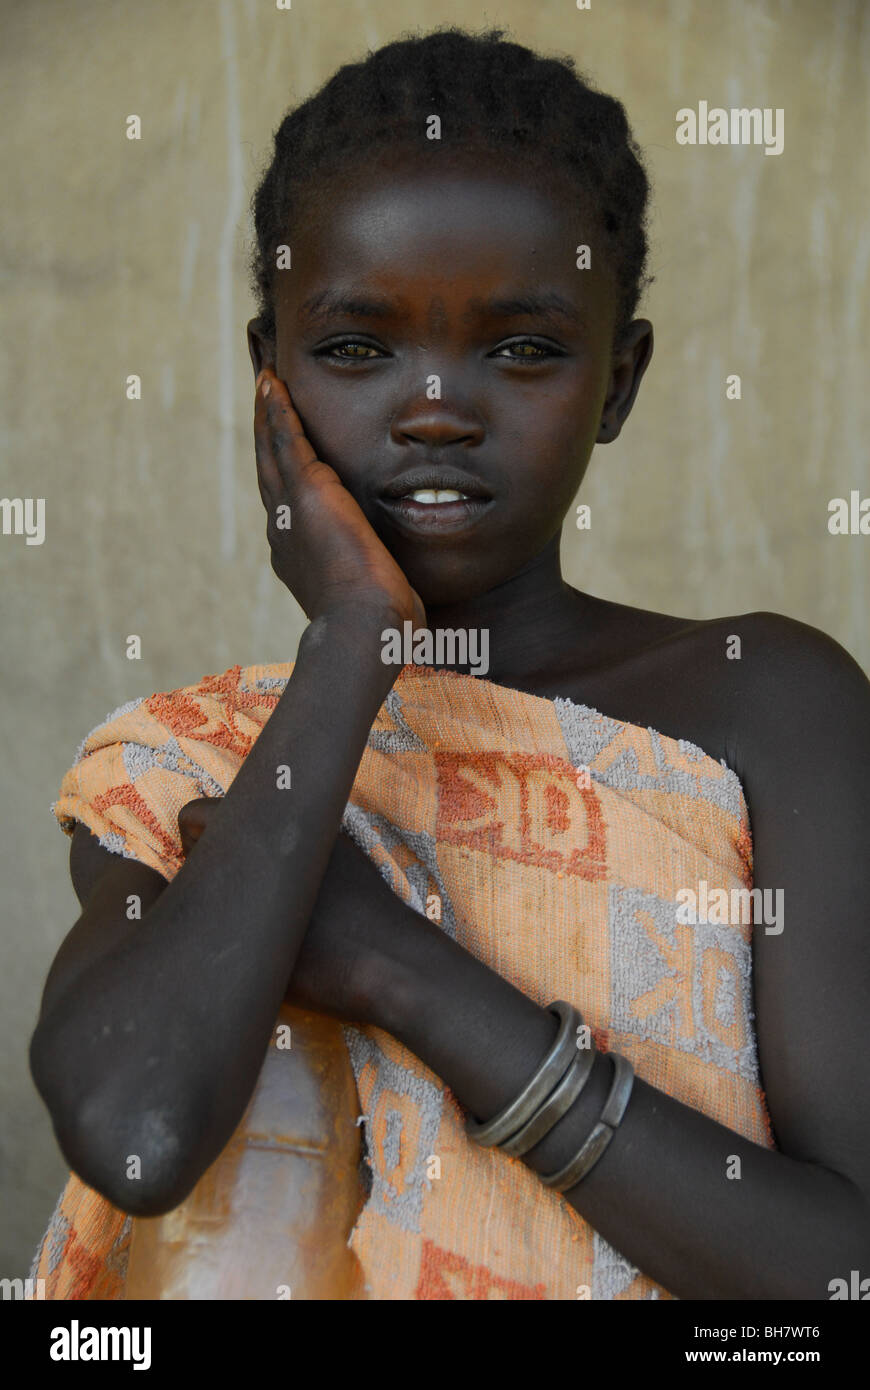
(800,1216)
(152,1032)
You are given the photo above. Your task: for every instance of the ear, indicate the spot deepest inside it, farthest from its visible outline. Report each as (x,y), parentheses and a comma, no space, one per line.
(630,360)
(261,348)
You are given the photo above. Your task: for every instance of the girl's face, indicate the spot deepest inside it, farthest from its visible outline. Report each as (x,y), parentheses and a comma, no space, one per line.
(434,330)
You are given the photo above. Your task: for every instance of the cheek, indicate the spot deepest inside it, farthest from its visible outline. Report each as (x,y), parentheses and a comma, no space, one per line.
(551,449)
(556,417)
(335,426)
(335,440)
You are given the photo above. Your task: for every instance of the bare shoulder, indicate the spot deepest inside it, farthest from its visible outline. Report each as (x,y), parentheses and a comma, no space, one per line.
(786,678)
(739,685)
(786,646)
(768,653)
(791,670)
(801,705)
(767,639)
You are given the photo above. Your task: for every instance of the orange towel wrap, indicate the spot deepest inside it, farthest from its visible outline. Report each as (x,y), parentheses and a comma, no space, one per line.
(548,840)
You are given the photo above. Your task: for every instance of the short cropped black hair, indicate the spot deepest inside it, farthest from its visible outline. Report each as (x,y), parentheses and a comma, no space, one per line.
(490,94)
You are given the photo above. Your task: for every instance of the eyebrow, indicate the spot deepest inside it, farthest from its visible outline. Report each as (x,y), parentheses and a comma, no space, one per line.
(547,304)
(331,303)
(536,303)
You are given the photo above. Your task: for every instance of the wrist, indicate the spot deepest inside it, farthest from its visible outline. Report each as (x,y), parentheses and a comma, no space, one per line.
(365,611)
(354,632)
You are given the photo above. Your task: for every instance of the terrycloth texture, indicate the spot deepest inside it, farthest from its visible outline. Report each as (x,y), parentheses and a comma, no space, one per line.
(473,801)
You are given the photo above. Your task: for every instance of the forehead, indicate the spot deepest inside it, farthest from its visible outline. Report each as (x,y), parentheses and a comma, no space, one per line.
(447,233)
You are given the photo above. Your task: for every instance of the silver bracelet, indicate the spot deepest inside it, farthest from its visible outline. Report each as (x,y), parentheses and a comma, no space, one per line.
(554,1066)
(556,1105)
(596,1143)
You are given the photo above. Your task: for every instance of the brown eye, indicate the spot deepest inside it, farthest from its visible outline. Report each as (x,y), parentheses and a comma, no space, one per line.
(535,352)
(339,352)
(356,345)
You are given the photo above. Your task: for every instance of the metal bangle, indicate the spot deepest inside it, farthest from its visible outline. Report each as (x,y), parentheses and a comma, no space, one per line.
(596,1143)
(551,1071)
(557,1105)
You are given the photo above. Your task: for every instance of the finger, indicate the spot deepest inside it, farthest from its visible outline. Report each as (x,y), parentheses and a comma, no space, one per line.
(282,444)
(268,477)
(197,812)
(193,819)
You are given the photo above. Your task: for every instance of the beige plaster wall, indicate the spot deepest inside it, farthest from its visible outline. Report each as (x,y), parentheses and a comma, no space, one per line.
(123,257)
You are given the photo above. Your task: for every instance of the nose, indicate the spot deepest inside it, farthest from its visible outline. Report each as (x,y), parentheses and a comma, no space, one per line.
(436,423)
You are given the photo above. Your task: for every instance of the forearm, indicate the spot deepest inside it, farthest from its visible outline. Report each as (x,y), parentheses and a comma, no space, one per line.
(661,1193)
(164,1036)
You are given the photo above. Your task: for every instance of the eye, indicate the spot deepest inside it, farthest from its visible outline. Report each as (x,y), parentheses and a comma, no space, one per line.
(542,350)
(348,350)
(332,351)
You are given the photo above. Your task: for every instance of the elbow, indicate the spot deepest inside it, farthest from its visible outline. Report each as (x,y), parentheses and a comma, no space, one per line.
(155,1198)
(144,1164)
(139,1152)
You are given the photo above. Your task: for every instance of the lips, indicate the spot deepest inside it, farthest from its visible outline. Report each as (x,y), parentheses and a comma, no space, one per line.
(435,480)
(434,518)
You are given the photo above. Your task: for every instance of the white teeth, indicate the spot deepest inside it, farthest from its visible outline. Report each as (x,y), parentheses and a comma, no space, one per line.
(447,495)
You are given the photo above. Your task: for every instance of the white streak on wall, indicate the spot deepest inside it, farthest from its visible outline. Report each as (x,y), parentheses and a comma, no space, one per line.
(188,264)
(193,131)
(749,331)
(167,385)
(143,464)
(180,106)
(260,624)
(227,326)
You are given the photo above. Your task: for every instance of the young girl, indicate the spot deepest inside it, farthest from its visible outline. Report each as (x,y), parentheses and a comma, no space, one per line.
(589,1064)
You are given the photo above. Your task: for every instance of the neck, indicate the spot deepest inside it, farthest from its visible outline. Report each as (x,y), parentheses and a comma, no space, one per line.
(533,619)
